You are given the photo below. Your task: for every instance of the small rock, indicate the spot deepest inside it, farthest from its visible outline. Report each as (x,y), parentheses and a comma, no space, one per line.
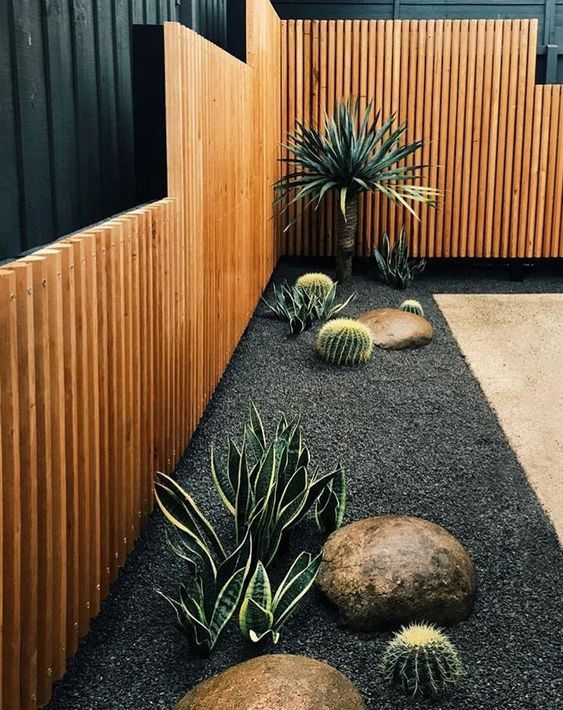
(393,329)
(275,682)
(390,570)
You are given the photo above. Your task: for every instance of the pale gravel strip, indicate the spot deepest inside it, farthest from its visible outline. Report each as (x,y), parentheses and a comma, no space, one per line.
(513,344)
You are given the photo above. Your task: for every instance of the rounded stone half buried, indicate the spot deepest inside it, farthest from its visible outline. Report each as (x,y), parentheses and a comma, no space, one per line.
(393,329)
(390,570)
(275,682)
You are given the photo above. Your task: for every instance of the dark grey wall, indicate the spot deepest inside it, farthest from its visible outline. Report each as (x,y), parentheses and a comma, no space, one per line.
(66,109)
(548,12)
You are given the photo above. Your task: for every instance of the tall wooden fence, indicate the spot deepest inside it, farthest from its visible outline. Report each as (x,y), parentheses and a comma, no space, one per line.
(112,342)
(493,139)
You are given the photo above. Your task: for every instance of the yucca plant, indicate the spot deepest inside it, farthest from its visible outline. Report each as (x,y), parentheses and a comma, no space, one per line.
(214,586)
(262,614)
(302,307)
(351,155)
(393,263)
(268,489)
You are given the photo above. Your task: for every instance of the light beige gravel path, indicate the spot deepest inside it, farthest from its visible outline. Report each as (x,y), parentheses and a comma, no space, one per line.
(514,346)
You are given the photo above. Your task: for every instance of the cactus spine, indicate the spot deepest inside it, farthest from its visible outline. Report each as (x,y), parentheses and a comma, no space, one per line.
(411,306)
(315,283)
(344,341)
(422,661)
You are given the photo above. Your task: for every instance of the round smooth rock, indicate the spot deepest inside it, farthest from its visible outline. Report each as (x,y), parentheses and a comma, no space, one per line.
(390,570)
(275,682)
(393,329)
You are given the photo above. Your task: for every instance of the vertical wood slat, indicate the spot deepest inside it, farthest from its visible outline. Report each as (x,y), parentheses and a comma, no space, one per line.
(113,341)
(467,88)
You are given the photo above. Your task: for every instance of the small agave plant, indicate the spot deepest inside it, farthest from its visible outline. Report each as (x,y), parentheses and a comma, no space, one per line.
(301,307)
(262,614)
(393,263)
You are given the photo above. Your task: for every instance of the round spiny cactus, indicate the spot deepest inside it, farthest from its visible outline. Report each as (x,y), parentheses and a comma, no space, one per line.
(410,306)
(344,341)
(422,661)
(315,283)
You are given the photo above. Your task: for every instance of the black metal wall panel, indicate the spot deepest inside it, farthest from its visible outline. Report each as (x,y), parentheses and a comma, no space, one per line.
(548,12)
(67,142)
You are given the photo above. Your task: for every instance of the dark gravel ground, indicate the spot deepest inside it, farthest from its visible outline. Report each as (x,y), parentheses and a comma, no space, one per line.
(417,437)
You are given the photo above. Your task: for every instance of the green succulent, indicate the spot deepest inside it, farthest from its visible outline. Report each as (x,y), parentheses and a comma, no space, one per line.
(317,283)
(422,661)
(302,307)
(212,592)
(344,341)
(262,614)
(393,263)
(268,488)
(411,306)
(331,505)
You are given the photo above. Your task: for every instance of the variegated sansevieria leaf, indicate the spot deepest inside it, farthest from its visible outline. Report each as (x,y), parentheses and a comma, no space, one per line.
(255,615)
(260,614)
(185,509)
(330,506)
(294,586)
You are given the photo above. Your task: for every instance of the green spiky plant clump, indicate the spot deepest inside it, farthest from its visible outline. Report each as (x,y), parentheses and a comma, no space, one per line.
(317,283)
(393,263)
(422,661)
(268,489)
(263,614)
(412,306)
(351,154)
(344,341)
(301,307)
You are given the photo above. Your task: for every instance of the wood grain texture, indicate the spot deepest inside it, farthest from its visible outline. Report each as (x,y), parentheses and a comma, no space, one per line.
(113,341)
(467,88)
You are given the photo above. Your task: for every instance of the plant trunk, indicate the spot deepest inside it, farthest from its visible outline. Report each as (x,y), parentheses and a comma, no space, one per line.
(346,238)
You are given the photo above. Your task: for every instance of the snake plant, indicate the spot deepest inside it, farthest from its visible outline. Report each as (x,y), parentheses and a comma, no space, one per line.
(331,505)
(393,263)
(268,489)
(262,614)
(212,592)
(351,154)
(302,307)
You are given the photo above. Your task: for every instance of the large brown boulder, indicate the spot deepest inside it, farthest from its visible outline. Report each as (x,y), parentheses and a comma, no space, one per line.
(393,329)
(389,570)
(275,682)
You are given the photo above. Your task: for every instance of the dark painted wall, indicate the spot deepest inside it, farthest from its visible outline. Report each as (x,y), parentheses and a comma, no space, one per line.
(548,12)
(66,109)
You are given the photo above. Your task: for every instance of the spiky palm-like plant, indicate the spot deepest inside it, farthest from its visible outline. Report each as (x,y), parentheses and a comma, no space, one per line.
(350,156)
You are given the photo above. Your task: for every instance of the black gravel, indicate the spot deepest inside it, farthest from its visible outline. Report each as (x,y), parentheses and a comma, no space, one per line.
(417,437)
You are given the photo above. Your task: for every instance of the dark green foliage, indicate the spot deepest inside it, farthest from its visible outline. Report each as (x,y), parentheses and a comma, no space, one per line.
(302,307)
(214,586)
(268,488)
(262,614)
(331,505)
(352,155)
(393,263)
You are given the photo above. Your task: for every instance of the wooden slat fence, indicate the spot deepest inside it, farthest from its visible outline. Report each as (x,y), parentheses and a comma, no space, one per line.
(493,139)
(112,342)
